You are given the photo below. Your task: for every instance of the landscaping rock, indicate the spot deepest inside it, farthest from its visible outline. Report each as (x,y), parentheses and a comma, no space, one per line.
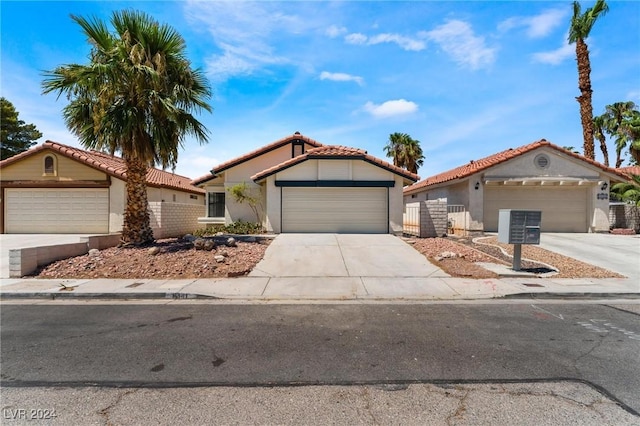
(223,253)
(209,245)
(154,250)
(94,252)
(231,242)
(219,258)
(189,238)
(199,243)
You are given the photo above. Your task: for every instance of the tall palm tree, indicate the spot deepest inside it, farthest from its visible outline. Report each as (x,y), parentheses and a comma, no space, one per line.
(413,156)
(581,25)
(405,151)
(135,96)
(617,124)
(393,149)
(599,129)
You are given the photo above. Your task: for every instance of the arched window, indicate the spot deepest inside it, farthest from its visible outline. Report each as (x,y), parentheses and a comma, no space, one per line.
(49,165)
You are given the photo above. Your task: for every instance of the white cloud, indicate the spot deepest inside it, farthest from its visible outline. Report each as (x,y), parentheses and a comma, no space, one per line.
(457,39)
(391,108)
(243,32)
(539,25)
(338,76)
(355,38)
(405,43)
(555,57)
(334,31)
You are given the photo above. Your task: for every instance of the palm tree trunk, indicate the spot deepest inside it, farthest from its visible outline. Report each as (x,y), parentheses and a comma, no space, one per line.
(603,148)
(136,229)
(586,108)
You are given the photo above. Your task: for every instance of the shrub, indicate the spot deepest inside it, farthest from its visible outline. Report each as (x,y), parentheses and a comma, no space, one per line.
(240,227)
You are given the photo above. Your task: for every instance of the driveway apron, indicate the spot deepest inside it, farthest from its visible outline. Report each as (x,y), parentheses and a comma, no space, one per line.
(343,255)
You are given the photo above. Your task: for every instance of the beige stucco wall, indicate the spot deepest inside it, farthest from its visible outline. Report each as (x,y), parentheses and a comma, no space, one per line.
(32,168)
(117,202)
(169,195)
(559,165)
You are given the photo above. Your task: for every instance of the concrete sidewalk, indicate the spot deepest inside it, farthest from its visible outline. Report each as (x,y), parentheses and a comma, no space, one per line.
(291,289)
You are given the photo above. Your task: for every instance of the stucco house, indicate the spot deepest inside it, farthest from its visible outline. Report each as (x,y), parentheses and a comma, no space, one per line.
(305,186)
(571,191)
(55,188)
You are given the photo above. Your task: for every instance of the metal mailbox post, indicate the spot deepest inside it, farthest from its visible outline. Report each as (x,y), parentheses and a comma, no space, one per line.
(519,227)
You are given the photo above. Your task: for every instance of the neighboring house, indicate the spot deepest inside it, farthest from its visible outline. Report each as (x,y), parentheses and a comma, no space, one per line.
(58,189)
(305,186)
(630,170)
(571,191)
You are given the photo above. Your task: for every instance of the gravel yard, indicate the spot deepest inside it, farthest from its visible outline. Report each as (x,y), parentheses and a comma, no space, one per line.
(177,258)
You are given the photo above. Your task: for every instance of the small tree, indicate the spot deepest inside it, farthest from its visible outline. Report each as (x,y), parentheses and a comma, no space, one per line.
(17,136)
(242,194)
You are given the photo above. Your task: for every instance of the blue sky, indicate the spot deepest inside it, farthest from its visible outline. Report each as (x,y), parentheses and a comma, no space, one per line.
(466,79)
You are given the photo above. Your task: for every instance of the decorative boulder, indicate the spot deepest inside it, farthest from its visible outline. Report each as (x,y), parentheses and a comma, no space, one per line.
(94,252)
(199,243)
(231,242)
(219,258)
(209,245)
(154,250)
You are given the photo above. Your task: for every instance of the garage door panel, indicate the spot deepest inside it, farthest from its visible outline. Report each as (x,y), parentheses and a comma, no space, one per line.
(563,209)
(78,210)
(358,210)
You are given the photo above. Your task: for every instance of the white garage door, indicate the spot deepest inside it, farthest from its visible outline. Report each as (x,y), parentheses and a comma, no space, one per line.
(56,211)
(356,210)
(563,209)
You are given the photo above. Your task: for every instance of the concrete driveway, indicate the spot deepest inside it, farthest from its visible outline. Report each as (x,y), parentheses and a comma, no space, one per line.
(343,255)
(617,253)
(18,241)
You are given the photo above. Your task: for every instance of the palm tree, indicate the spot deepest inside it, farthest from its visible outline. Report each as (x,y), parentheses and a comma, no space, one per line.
(616,117)
(599,129)
(135,96)
(628,191)
(405,151)
(393,149)
(581,25)
(413,156)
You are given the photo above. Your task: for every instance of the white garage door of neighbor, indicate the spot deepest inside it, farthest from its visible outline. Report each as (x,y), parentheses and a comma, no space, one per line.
(563,209)
(355,210)
(56,211)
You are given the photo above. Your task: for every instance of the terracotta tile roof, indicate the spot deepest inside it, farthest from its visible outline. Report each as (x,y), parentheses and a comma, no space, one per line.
(333,152)
(484,163)
(111,165)
(630,170)
(253,154)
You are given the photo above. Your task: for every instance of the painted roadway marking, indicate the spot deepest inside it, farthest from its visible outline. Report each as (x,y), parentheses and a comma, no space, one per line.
(603,326)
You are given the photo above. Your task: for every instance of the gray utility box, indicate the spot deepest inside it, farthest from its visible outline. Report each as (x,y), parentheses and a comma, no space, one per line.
(519,226)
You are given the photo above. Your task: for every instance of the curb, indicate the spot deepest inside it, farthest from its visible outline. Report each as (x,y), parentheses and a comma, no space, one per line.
(123,296)
(572,296)
(193,296)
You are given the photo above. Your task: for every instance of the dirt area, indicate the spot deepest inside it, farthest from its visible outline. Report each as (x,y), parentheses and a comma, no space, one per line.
(468,251)
(177,258)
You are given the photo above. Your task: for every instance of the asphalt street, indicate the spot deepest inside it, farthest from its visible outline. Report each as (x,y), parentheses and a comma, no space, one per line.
(165,346)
